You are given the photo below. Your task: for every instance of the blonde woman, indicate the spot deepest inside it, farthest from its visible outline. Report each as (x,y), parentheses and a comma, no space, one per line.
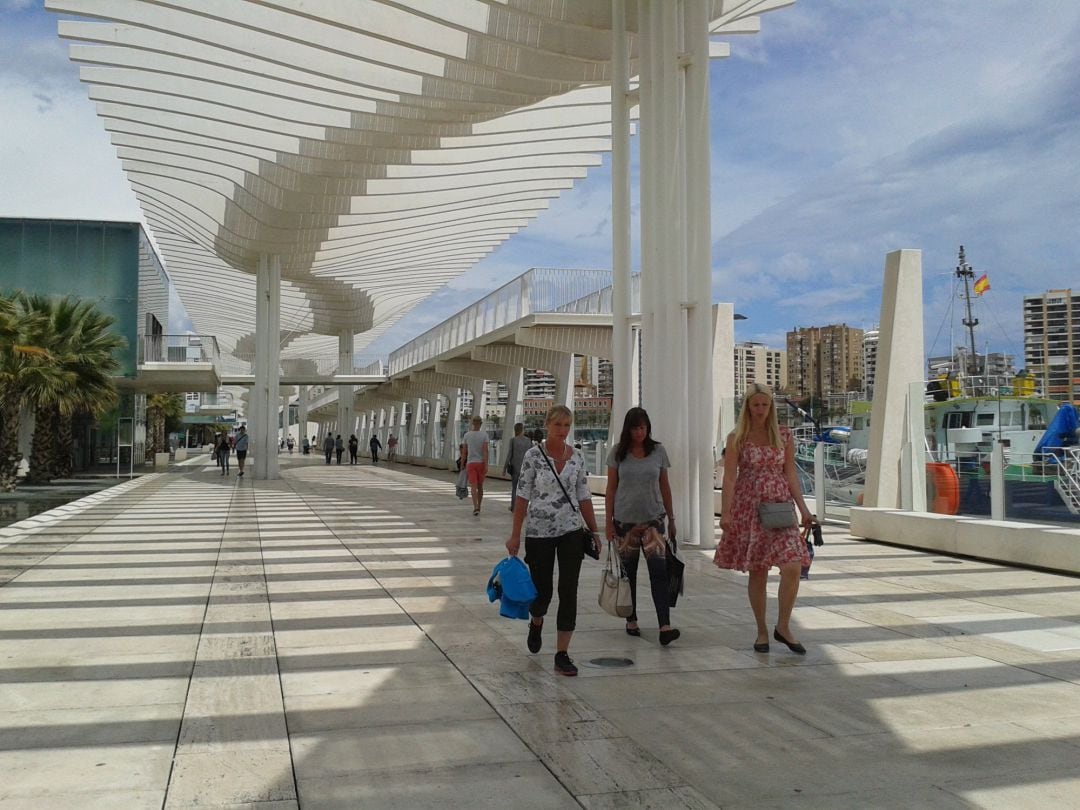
(551,521)
(759,467)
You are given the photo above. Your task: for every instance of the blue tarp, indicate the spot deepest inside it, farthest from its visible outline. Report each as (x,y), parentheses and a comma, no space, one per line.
(1062,431)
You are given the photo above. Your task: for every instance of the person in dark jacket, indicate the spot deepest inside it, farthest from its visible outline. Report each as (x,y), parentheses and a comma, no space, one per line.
(375,446)
(223,451)
(339,447)
(328,447)
(354,446)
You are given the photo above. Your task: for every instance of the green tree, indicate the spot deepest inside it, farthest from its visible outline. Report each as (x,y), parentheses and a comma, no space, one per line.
(25,370)
(82,346)
(161,410)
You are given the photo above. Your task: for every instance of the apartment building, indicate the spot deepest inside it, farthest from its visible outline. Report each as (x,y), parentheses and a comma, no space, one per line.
(1052,342)
(824,360)
(756,362)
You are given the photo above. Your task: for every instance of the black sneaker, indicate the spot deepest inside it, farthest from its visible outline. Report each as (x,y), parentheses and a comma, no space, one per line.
(564,666)
(534,641)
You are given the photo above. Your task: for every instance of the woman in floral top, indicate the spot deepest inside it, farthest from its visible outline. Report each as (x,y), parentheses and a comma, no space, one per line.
(551,523)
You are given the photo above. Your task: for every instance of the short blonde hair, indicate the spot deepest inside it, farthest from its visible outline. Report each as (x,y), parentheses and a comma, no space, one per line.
(477,422)
(559,412)
(742,428)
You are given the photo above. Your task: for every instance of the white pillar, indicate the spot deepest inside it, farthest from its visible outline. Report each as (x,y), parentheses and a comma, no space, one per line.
(900,363)
(513,396)
(302,413)
(263,442)
(346,417)
(431,445)
(453,418)
(723,353)
(564,380)
(621,333)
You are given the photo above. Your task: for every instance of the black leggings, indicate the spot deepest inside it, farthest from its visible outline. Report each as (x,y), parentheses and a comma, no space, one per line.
(630,552)
(540,554)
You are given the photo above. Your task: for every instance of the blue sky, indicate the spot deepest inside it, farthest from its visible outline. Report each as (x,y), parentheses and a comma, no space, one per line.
(844,130)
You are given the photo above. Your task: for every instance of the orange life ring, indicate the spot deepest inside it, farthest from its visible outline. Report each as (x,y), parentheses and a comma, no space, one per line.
(942,489)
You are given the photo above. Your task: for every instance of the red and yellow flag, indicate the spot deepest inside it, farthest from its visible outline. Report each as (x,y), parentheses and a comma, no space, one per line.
(982,284)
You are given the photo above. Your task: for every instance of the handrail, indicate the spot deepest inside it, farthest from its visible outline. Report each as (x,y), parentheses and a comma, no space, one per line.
(178,349)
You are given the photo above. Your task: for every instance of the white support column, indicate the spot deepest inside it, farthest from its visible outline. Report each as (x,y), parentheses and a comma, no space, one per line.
(263,443)
(564,381)
(453,419)
(723,353)
(416,431)
(302,414)
(479,399)
(346,417)
(648,176)
(621,335)
(513,396)
(900,363)
(431,445)
(699,266)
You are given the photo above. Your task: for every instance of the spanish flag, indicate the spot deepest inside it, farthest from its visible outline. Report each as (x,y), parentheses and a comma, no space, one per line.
(982,284)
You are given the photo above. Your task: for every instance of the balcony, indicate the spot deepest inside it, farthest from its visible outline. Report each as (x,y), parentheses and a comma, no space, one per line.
(177,363)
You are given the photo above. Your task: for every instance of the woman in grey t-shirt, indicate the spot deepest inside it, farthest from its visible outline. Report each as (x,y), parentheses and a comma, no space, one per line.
(638,500)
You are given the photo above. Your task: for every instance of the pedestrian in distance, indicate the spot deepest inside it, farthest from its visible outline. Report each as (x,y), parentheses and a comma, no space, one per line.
(241,445)
(374,445)
(551,526)
(339,447)
(223,451)
(475,442)
(290,443)
(759,467)
(519,446)
(639,515)
(306,446)
(328,447)
(391,448)
(354,447)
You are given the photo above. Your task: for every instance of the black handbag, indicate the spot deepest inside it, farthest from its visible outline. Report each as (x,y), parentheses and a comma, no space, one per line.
(676,569)
(585,535)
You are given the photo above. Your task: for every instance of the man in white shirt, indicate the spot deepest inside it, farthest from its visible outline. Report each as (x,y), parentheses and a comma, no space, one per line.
(475,451)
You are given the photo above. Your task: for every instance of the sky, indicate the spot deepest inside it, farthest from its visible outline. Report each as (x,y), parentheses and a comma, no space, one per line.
(844,130)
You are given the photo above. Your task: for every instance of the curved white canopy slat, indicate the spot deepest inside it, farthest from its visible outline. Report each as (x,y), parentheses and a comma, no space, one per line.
(380,147)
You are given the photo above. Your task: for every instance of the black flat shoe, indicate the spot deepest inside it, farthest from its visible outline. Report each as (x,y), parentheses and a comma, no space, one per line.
(633,631)
(762,647)
(668,636)
(794,646)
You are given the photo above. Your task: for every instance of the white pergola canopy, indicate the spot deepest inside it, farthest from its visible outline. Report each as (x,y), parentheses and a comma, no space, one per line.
(378,148)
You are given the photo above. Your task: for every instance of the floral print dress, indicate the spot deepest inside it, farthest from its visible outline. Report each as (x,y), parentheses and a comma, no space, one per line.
(747,546)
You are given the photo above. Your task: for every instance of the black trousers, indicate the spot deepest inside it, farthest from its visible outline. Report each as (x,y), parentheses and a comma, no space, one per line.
(540,556)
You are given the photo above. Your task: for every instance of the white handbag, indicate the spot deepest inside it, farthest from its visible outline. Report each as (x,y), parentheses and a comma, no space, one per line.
(615,588)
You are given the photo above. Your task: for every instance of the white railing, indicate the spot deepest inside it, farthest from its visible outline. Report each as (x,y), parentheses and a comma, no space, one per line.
(540,290)
(178,349)
(1068,480)
(320,365)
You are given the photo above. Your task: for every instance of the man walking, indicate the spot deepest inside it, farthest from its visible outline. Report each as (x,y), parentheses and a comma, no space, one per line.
(328,447)
(241,448)
(519,445)
(375,446)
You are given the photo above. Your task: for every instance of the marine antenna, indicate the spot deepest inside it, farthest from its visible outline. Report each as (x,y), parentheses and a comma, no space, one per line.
(965,272)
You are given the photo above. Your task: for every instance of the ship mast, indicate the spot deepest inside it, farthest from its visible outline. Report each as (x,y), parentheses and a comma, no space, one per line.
(965,272)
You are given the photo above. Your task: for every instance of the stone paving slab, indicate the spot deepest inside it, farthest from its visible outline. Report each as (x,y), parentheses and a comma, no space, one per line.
(323,641)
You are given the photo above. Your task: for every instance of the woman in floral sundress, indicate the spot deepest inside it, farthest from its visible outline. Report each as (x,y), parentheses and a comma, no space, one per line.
(759,467)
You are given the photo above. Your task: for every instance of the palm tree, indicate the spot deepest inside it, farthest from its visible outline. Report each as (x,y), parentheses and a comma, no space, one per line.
(25,371)
(160,410)
(80,339)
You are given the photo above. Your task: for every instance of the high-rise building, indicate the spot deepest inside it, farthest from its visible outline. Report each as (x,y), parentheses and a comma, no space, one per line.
(538,384)
(869,345)
(824,360)
(755,362)
(1052,342)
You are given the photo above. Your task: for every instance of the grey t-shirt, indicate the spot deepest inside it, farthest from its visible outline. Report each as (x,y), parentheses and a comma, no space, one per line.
(637,499)
(474,443)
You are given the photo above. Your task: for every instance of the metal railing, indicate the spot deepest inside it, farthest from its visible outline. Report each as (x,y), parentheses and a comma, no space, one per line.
(178,349)
(540,290)
(322,365)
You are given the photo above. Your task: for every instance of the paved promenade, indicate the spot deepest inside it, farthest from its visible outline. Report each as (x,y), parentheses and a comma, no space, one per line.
(324,641)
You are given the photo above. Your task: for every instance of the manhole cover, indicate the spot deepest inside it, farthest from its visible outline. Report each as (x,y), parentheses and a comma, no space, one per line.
(610,663)
(947,562)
